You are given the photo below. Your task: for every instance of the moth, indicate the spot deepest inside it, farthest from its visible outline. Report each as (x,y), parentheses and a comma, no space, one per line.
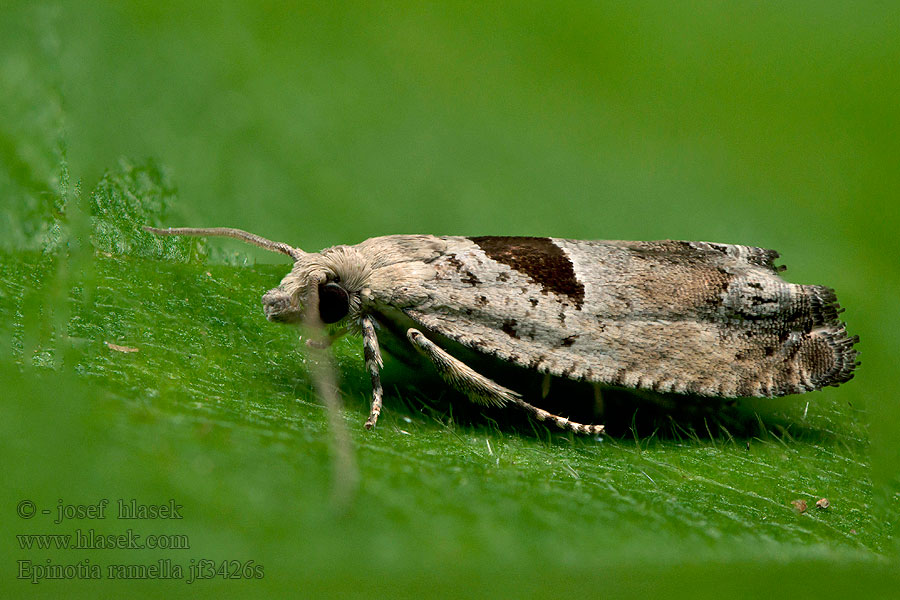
(679,317)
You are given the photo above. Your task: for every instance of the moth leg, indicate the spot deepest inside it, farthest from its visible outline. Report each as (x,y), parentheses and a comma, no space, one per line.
(482,390)
(373,365)
(460,376)
(598,399)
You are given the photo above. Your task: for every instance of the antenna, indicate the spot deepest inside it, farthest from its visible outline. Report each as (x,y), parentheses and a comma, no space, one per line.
(238,234)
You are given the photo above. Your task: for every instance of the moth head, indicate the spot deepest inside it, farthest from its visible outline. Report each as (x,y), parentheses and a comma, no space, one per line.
(287,303)
(331,279)
(329,282)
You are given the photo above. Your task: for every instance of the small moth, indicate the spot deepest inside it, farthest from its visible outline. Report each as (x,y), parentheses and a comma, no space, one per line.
(667,316)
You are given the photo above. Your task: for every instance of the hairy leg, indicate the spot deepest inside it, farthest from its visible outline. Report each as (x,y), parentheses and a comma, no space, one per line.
(482,390)
(373,365)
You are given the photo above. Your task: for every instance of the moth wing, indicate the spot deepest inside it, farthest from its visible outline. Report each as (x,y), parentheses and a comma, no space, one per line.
(684,317)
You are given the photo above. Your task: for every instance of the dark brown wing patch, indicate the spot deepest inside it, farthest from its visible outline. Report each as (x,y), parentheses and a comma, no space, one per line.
(538,258)
(679,251)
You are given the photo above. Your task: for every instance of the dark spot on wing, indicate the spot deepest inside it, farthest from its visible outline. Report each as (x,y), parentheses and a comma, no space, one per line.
(718,281)
(537,361)
(747,388)
(762,257)
(509,328)
(465,275)
(568,341)
(540,259)
(469,277)
(482,300)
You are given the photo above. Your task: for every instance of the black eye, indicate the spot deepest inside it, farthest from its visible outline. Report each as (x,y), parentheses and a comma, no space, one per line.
(334,302)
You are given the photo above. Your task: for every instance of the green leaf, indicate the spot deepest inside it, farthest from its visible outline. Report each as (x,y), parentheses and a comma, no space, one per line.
(140,367)
(128,198)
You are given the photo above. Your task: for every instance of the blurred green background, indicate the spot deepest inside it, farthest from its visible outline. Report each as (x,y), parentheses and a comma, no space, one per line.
(773,126)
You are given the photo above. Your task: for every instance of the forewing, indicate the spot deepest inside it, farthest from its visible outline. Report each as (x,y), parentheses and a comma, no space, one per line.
(687,317)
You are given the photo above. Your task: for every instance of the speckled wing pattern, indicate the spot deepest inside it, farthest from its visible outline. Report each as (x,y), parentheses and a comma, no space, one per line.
(668,316)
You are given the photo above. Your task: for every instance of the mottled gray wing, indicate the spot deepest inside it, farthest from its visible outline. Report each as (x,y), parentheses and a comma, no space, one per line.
(669,316)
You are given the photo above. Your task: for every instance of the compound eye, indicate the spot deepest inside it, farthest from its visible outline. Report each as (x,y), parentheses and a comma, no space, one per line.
(334,302)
